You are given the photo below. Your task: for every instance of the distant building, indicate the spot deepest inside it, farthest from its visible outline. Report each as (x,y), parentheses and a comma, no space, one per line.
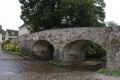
(11,34)
(24,29)
(1,35)
(1,32)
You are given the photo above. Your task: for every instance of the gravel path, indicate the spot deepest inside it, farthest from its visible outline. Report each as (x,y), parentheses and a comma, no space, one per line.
(104,77)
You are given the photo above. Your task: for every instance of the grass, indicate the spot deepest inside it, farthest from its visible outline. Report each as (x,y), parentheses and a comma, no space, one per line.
(25,56)
(110,73)
(15,53)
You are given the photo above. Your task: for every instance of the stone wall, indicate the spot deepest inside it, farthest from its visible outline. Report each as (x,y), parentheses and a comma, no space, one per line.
(108,38)
(114,49)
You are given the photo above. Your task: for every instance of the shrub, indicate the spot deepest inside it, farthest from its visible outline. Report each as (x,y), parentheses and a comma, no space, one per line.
(11,47)
(6,46)
(4,42)
(102,71)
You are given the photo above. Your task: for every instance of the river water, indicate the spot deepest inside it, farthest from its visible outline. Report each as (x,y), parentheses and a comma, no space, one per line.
(17,68)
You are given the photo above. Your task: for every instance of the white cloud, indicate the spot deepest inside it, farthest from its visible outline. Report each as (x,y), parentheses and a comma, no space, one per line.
(112,10)
(10,14)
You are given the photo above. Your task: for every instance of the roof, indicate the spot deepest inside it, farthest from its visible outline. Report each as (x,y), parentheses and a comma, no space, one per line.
(24,25)
(12,32)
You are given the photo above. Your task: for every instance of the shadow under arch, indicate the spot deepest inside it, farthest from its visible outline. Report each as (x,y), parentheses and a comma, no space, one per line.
(73,51)
(43,49)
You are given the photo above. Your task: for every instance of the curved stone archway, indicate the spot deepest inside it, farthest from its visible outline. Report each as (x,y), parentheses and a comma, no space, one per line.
(43,49)
(72,51)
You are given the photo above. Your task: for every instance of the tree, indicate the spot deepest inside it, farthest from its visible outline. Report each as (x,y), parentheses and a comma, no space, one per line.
(49,14)
(112,24)
(93,50)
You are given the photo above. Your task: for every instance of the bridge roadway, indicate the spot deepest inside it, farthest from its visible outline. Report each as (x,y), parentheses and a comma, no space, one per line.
(65,44)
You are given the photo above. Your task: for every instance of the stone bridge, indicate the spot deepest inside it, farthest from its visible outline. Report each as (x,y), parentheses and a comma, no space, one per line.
(65,44)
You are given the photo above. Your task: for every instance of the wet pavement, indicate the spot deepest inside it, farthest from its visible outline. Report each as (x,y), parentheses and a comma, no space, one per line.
(17,68)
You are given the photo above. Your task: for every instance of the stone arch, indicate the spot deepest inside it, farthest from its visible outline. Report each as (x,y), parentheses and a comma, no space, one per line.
(43,49)
(72,51)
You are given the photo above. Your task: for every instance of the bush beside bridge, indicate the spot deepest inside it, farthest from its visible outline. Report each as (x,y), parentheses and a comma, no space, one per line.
(6,46)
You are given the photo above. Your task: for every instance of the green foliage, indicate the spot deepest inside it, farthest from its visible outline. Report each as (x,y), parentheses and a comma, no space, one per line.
(50,14)
(93,50)
(10,47)
(57,62)
(111,73)
(103,59)
(16,53)
(6,46)
(102,70)
(20,54)
(4,42)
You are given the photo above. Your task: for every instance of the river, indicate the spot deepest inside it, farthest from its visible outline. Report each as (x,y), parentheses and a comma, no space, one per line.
(14,67)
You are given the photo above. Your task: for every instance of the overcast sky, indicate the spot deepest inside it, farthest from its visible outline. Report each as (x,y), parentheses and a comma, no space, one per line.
(10,13)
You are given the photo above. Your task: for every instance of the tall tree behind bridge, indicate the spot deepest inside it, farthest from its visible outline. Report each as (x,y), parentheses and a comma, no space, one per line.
(49,14)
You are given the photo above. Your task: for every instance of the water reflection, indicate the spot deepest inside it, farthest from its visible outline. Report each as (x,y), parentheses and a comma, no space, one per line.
(20,66)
